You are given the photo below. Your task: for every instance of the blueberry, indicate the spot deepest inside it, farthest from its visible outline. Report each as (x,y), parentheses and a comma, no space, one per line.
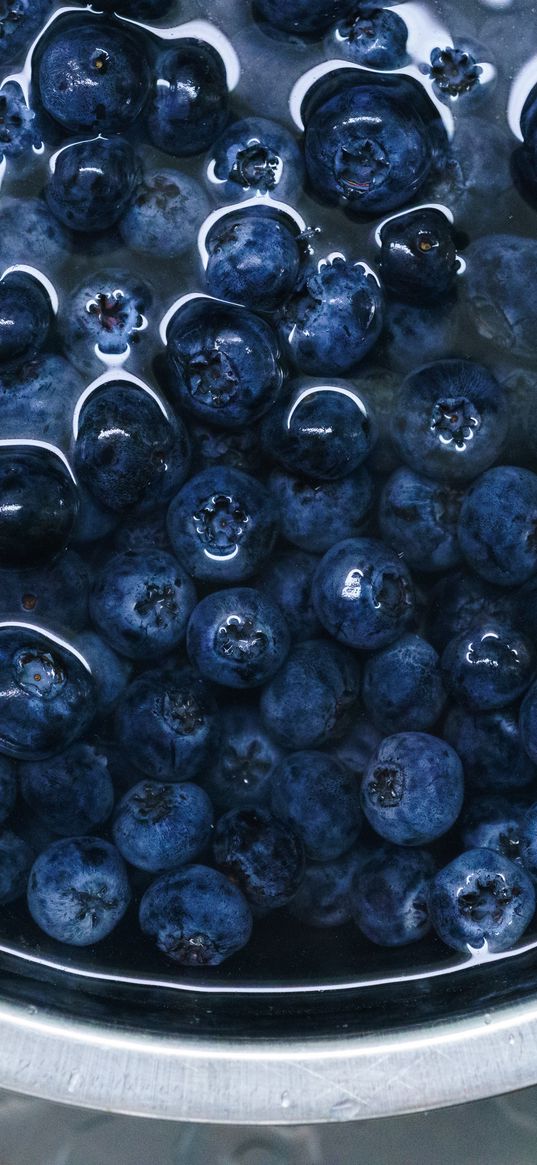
(491,749)
(164,215)
(239,774)
(372,36)
(237,638)
(145,532)
(498,525)
(171,717)
(15,861)
(433,330)
(314,515)
(450,420)
(103,318)
(488,666)
(20,21)
(19,128)
(72,792)
(151,9)
(481,897)
(54,594)
(390,896)
(40,398)
(8,788)
(402,686)
(287,580)
(25,316)
(528,723)
(222,526)
(528,842)
(141,602)
(357,746)
(92,183)
(418,518)
(474,178)
(28,228)
(111,672)
(224,363)
(313,696)
(93,522)
(363,594)
(47,696)
(495,287)
(93,76)
(188,105)
(129,451)
(324,898)
(322,430)
(413,789)
(333,318)
(307,18)
(264,857)
(254,258)
(78,890)
(196,917)
(418,258)
(320,799)
(493,822)
(462,600)
(38,505)
(159,827)
(255,156)
(370,143)
(454,72)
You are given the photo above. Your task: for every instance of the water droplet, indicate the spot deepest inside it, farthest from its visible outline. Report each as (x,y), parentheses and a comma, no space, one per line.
(285,1100)
(487,1018)
(343,1109)
(511,1040)
(74,1080)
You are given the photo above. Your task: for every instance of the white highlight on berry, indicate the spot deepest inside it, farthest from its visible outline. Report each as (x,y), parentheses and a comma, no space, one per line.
(20,442)
(520,90)
(247,203)
(111,377)
(314,389)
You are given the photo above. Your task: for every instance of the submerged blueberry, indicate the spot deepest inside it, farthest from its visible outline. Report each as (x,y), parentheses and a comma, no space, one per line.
(413,789)
(488,666)
(402,686)
(498,525)
(255,156)
(38,505)
(159,827)
(313,696)
(19,127)
(20,21)
(305,17)
(92,183)
(390,896)
(196,917)
(239,774)
(237,638)
(287,580)
(363,594)
(324,897)
(491,749)
(25,316)
(481,897)
(103,318)
(322,430)
(78,890)
(263,856)
(141,602)
(496,823)
(495,288)
(188,105)
(254,258)
(320,799)
(72,792)
(166,721)
(418,518)
(54,594)
(314,515)
(165,213)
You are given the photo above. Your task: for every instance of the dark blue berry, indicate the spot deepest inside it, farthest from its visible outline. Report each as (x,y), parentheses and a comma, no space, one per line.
(358,744)
(413,789)
(460,601)
(19,128)
(104,317)
(474,178)
(16,859)
(313,697)
(418,259)
(528,842)
(40,398)
(141,602)
(454,72)
(314,515)
(224,363)
(93,76)
(237,638)
(450,420)
(320,798)
(38,505)
(222,525)
(165,214)
(166,721)
(25,316)
(495,286)
(78,890)
(498,525)
(493,822)
(72,792)
(402,686)
(333,318)
(188,106)
(8,788)
(255,156)
(54,594)
(264,857)
(390,896)
(240,771)
(111,672)
(20,21)
(488,666)
(92,183)
(373,36)
(481,897)
(363,594)
(418,518)
(307,18)
(159,827)
(287,580)
(491,750)
(324,897)
(196,917)
(28,228)
(433,330)
(322,430)
(254,258)
(129,450)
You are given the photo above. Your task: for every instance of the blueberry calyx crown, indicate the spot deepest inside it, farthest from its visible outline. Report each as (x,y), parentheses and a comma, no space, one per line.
(39,672)
(488,900)
(386,786)
(455,421)
(220,524)
(239,639)
(256,166)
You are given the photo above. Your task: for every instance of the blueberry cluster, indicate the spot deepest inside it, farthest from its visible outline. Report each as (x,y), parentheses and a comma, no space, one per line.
(268,500)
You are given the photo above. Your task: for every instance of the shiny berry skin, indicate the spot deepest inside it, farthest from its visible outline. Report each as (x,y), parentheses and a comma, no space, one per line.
(308,18)
(373,36)
(488,667)
(255,156)
(390,896)
(418,259)
(313,697)
(320,799)
(159,827)
(498,525)
(263,856)
(171,714)
(402,686)
(129,451)
(141,602)
(196,917)
(92,183)
(363,594)
(38,505)
(496,823)
(333,318)
(224,363)
(78,890)
(254,259)
(418,518)
(222,525)
(188,104)
(481,897)
(461,599)
(454,72)
(237,638)
(48,696)
(25,317)
(321,429)
(450,420)
(93,77)
(413,789)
